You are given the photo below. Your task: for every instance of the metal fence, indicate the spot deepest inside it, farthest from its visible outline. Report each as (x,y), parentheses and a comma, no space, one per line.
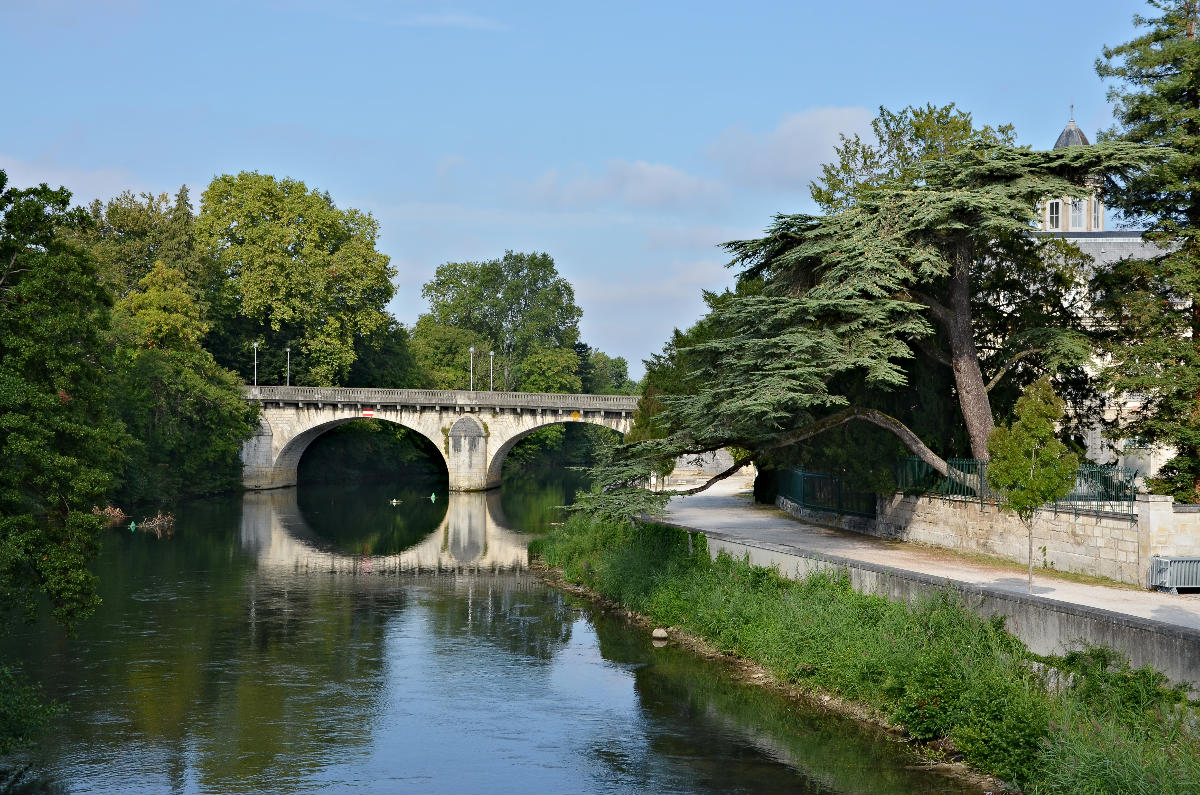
(1098,489)
(821,492)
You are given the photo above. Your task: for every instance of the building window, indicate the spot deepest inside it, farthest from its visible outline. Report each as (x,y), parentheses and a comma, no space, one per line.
(1077,213)
(1097,215)
(1055,221)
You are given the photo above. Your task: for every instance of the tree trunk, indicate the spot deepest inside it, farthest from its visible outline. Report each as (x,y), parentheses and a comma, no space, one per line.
(1029,529)
(964,360)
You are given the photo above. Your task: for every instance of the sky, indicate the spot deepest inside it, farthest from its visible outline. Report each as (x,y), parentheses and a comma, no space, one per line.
(627,140)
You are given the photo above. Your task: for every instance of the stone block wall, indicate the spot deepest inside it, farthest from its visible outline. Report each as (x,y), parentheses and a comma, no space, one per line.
(1106,545)
(1168,530)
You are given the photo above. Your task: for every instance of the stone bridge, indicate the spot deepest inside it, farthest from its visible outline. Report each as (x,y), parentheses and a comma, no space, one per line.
(473,430)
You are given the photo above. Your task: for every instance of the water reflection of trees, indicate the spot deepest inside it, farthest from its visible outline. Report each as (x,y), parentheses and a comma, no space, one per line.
(375,526)
(744,733)
(196,666)
(515,612)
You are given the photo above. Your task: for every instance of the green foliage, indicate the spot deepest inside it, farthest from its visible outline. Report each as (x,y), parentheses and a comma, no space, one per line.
(935,667)
(442,353)
(924,259)
(1146,311)
(601,374)
(384,359)
(1029,466)
(1090,752)
(518,303)
(186,412)
(58,437)
(130,234)
(551,370)
(294,271)
(1006,721)
(23,713)
(906,144)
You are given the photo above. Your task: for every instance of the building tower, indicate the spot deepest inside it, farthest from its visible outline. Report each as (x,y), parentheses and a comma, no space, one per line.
(1066,213)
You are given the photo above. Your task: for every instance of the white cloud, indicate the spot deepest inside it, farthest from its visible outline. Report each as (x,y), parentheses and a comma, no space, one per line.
(789,156)
(84,184)
(693,238)
(634,316)
(647,186)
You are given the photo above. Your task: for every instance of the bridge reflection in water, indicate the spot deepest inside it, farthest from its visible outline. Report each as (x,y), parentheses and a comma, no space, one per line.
(472,537)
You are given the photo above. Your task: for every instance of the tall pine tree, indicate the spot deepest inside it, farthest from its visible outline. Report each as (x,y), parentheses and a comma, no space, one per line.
(916,259)
(1151,318)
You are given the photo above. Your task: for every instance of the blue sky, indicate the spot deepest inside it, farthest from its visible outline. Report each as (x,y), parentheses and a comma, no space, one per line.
(625,139)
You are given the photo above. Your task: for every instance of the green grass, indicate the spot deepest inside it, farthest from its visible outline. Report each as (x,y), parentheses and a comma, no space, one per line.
(935,668)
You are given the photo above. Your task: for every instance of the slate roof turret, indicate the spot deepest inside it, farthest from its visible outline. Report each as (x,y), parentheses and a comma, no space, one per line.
(1071,136)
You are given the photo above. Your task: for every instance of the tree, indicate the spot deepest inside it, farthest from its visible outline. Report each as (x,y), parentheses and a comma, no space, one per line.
(1149,316)
(294,271)
(185,411)
(551,370)
(384,359)
(610,374)
(129,235)
(601,374)
(443,353)
(60,442)
(849,298)
(1029,466)
(518,302)
(58,438)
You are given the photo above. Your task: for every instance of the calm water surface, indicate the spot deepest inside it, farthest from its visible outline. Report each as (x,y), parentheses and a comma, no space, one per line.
(321,639)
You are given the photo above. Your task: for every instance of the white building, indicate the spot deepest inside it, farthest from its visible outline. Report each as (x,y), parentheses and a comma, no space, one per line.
(1081,221)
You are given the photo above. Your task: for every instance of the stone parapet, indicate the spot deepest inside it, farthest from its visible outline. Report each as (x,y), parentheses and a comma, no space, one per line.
(434,398)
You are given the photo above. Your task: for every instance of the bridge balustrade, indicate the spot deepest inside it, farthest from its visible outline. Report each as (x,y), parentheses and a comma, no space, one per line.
(439,397)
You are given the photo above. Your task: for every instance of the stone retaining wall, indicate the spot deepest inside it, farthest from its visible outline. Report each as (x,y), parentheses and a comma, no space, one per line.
(1046,626)
(1109,545)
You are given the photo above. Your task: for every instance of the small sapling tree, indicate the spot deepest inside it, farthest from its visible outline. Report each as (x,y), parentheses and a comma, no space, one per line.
(1029,466)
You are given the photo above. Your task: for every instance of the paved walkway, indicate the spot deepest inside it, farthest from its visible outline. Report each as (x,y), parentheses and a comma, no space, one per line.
(726,511)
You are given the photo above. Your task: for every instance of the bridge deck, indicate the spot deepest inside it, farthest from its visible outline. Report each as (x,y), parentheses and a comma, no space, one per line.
(439,398)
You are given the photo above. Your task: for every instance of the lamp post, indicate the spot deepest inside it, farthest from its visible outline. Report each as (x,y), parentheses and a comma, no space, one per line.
(289,366)
(472,349)
(255,363)
(491,368)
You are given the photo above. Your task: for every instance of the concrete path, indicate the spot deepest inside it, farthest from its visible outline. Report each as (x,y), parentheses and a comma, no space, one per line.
(726,511)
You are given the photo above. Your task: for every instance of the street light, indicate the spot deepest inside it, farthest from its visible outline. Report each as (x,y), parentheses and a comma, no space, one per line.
(289,366)
(491,362)
(472,349)
(255,363)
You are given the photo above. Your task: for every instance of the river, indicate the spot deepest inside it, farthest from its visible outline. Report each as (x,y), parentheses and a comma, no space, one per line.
(323,639)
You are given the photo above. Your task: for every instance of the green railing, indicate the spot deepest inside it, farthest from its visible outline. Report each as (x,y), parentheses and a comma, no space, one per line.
(821,492)
(1098,489)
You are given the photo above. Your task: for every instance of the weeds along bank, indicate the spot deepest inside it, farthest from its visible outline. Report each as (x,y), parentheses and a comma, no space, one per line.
(955,681)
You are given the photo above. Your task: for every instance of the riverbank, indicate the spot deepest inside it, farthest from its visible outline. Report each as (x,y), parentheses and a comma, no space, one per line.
(753,673)
(959,685)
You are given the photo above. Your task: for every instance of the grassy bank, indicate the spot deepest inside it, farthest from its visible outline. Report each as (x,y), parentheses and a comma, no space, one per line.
(948,677)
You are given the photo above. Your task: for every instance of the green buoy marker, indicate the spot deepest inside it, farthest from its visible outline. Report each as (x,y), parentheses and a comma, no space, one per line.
(433,497)
(132,526)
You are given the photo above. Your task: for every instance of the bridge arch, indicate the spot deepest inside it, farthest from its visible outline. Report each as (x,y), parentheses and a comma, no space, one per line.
(495,466)
(291,454)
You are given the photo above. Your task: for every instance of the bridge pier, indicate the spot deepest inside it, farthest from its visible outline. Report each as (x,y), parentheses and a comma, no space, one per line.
(472,430)
(467,456)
